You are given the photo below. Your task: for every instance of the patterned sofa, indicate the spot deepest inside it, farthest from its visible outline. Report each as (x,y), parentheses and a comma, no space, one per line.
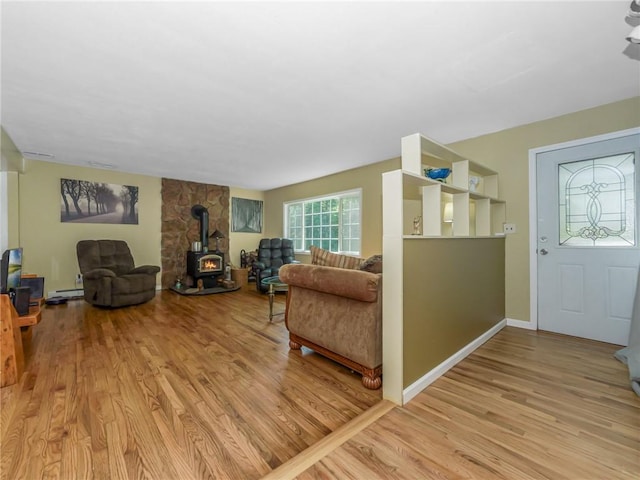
(335,308)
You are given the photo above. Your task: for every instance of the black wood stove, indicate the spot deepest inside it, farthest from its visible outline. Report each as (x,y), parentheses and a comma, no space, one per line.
(204,265)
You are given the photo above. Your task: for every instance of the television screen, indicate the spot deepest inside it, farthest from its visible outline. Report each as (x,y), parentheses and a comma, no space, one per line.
(11,271)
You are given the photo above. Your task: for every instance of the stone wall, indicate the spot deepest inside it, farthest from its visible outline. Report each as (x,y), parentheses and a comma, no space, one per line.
(179,228)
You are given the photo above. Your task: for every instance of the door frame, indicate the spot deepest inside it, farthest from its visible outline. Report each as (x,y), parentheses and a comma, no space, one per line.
(533,211)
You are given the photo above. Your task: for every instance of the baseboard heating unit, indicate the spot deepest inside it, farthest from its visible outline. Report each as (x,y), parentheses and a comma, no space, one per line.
(70,293)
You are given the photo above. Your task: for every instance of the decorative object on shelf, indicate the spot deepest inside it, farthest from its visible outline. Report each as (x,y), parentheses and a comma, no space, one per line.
(473,183)
(417,221)
(439,174)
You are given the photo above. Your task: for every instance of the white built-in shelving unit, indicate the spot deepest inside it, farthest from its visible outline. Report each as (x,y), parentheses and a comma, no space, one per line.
(477,210)
(407,194)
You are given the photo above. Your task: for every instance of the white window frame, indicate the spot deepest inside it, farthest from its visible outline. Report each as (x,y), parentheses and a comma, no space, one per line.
(338,195)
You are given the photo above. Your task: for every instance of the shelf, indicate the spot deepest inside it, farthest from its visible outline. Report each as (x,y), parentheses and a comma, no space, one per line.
(412,184)
(478,196)
(32,318)
(472,188)
(415,146)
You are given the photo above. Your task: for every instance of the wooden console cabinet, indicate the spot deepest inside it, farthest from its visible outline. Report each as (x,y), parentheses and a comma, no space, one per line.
(12,337)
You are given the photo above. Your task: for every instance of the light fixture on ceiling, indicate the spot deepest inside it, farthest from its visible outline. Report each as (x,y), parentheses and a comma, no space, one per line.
(95,164)
(634,15)
(38,155)
(634,36)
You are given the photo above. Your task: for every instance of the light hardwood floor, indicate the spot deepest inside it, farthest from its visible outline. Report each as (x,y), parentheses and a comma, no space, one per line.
(526,405)
(205,387)
(178,388)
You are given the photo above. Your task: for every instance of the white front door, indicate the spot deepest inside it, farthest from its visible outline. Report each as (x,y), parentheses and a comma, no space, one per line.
(588,245)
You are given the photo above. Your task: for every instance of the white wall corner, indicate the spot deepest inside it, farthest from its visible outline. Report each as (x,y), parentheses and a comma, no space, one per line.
(428,378)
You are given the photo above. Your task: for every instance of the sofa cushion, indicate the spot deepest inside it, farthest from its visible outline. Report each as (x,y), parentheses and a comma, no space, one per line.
(372,264)
(349,283)
(322,257)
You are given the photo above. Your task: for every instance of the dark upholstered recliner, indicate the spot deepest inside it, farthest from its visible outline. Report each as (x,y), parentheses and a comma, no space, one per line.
(272,254)
(109,276)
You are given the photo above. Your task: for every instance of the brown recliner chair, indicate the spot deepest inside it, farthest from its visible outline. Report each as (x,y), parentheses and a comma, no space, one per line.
(109,276)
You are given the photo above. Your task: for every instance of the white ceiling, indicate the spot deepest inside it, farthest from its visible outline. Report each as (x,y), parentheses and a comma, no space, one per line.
(260,95)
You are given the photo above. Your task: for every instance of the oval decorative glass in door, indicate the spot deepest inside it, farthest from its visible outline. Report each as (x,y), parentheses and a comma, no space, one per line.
(597,201)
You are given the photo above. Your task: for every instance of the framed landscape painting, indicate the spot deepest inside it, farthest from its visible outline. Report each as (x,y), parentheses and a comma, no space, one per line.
(246,215)
(94,202)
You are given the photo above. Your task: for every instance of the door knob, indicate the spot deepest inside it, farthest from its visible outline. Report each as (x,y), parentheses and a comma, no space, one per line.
(543,251)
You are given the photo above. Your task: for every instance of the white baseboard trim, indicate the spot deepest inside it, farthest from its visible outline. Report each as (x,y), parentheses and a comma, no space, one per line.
(428,378)
(512,322)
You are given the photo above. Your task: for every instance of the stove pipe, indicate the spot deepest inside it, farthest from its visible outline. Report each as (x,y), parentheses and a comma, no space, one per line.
(201,213)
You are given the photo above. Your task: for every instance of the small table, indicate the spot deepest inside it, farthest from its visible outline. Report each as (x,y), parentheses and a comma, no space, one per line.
(275,285)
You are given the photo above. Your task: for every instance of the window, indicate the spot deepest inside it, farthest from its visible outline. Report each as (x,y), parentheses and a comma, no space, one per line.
(597,201)
(331,222)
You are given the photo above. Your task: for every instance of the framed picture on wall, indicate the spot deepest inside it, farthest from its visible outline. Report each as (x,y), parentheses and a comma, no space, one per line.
(94,202)
(246,215)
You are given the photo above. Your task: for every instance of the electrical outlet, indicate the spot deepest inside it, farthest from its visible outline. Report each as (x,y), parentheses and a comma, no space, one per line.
(79,279)
(509,228)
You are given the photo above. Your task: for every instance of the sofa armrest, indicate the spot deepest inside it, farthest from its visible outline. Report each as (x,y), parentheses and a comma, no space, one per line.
(355,284)
(147,269)
(98,273)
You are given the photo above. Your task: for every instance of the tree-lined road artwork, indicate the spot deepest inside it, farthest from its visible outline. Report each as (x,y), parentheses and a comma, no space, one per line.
(94,202)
